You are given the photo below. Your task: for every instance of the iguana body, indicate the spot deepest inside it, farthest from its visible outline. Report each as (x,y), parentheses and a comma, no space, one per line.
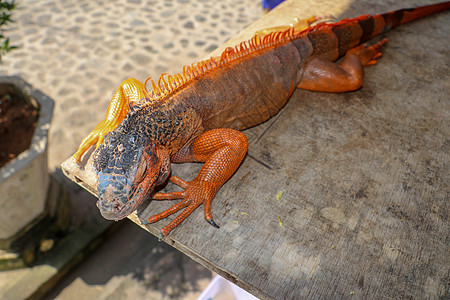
(195,116)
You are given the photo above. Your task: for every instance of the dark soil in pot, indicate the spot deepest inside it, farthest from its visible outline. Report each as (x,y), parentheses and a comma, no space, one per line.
(17,123)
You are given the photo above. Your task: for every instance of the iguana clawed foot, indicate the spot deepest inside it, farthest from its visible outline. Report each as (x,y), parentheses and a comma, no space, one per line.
(195,193)
(368,54)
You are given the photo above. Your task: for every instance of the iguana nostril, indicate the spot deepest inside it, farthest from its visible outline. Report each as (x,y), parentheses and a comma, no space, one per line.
(116,207)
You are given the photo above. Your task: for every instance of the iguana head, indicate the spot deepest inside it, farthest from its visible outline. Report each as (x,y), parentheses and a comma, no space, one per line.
(128,166)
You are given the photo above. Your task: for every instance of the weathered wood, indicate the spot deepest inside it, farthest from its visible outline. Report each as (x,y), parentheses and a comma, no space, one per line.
(359,181)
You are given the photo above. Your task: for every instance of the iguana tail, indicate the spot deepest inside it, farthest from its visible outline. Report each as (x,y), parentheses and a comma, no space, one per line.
(378,24)
(352,32)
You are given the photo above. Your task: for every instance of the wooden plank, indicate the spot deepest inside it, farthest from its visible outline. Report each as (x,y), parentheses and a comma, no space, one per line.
(359,181)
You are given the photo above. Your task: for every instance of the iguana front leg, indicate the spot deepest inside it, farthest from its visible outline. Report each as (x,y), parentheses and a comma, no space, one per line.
(130,91)
(324,76)
(222,150)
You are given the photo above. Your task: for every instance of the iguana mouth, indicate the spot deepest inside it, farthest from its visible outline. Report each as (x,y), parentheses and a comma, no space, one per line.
(112,209)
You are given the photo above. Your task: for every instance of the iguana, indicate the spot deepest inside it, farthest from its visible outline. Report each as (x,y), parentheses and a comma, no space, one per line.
(196,116)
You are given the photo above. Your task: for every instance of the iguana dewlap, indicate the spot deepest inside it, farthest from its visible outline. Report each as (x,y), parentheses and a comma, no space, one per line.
(196,116)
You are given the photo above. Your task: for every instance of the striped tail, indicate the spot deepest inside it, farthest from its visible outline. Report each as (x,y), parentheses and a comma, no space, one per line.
(352,32)
(378,24)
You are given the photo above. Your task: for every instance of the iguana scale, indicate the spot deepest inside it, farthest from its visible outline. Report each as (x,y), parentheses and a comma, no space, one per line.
(196,116)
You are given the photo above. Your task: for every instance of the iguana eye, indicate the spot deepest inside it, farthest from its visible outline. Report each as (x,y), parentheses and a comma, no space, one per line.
(141,172)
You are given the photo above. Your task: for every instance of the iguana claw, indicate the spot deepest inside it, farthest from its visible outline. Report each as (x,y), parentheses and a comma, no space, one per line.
(213,223)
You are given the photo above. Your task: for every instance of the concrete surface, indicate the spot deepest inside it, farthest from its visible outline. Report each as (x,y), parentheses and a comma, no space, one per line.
(77,53)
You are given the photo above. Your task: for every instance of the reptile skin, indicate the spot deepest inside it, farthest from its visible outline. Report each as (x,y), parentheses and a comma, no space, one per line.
(196,115)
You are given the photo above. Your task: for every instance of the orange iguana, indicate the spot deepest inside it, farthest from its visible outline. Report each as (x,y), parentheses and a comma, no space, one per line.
(196,116)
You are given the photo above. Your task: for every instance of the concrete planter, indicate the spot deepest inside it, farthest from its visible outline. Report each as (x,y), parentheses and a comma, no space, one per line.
(24,181)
